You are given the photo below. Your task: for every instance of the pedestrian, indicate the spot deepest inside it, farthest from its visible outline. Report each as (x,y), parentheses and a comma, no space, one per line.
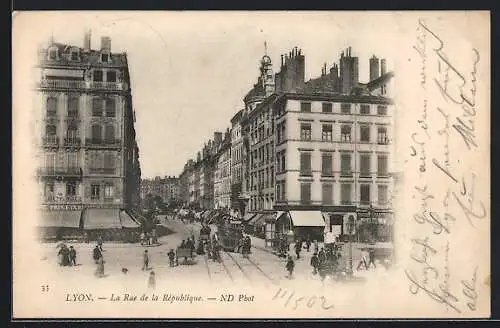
(290,265)
(315,263)
(316,246)
(145,261)
(152,280)
(171,258)
(100,267)
(371,257)
(363,260)
(308,243)
(97,253)
(298,246)
(72,255)
(143,238)
(99,242)
(322,256)
(183,244)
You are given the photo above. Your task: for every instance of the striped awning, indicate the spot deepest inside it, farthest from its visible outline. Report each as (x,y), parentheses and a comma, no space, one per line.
(256,218)
(63,219)
(248,217)
(101,218)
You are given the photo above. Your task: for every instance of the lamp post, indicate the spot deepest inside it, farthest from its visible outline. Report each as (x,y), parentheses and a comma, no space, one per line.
(350,227)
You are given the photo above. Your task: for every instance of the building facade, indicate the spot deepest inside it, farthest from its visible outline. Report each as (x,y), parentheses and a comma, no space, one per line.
(257,126)
(333,145)
(222,175)
(236,162)
(88,151)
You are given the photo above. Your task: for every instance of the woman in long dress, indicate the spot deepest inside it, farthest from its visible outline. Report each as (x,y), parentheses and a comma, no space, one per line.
(100,267)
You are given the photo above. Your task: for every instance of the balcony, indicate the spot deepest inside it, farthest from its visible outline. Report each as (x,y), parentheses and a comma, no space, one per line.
(72,142)
(346,174)
(73,117)
(108,86)
(50,141)
(61,84)
(63,199)
(102,170)
(72,171)
(80,84)
(103,143)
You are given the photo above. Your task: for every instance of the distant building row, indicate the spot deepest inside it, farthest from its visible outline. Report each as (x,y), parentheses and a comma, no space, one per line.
(166,188)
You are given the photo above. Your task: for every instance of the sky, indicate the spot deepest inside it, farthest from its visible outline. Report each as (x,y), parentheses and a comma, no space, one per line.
(191,70)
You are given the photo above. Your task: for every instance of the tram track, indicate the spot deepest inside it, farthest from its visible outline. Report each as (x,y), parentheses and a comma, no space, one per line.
(253,264)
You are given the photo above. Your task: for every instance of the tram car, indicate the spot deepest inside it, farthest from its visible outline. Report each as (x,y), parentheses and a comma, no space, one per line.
(229,234)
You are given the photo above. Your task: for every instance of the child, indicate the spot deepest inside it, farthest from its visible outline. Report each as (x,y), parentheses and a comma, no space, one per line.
(145,264)
(152,280)
(290,265)
(171,257)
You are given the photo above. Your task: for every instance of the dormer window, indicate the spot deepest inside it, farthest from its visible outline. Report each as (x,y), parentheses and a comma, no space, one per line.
(74,55)
(104,57)
(53,53)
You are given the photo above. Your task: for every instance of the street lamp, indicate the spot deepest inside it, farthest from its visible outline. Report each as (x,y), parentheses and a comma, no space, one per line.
(350,228)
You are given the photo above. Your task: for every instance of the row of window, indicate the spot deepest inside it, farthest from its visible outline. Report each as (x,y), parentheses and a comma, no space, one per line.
(328,197)
(96,190)
(71,160)
(261,203)
(100,107)
(261,179)
(345,133)
(262,155)
(345,164)
(72,132)
(345,108)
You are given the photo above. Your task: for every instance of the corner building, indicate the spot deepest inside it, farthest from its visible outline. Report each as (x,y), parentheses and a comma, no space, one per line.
(89,172)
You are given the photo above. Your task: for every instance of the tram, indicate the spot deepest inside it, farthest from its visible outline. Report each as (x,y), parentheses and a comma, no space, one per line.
(229,233)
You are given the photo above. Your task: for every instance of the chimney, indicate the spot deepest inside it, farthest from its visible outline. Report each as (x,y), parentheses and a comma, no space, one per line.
(383,69)
(87,41)
(106,43)
(374,68)
(282,58)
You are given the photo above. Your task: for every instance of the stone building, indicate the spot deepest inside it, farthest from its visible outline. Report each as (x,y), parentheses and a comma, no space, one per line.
(222,174)
(89,172)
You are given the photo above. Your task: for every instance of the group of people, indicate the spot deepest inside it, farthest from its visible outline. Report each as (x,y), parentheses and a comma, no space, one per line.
(149,238)
(66,255)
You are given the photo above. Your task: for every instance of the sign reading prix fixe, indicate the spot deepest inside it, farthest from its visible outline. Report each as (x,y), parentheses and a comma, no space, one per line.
(75,73)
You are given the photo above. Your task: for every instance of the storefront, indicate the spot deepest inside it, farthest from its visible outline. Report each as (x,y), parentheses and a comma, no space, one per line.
(60,224)
(303,224)
(375,226)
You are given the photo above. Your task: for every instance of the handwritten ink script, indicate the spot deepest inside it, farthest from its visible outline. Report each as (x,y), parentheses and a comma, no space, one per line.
(445,154)
(294,300)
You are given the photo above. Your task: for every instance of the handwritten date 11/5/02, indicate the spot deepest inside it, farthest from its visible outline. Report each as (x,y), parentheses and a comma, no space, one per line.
(298,300)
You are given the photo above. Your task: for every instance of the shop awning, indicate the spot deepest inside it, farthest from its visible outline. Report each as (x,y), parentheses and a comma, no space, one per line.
(101,218)
(256,218)
(266,217)
(248,217)
(307,219)
(63,219)
(127,221)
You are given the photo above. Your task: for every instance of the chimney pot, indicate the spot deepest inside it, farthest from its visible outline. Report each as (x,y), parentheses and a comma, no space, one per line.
(106,43)
(87,40)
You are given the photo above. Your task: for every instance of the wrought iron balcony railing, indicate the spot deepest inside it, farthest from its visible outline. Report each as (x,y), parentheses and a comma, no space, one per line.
(102,142)
(50,141)
(63,199)
(74,171)
(102,170)
(72,142)
(79,84)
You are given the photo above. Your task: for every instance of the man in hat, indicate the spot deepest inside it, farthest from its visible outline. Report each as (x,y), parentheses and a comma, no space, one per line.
(72,255)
